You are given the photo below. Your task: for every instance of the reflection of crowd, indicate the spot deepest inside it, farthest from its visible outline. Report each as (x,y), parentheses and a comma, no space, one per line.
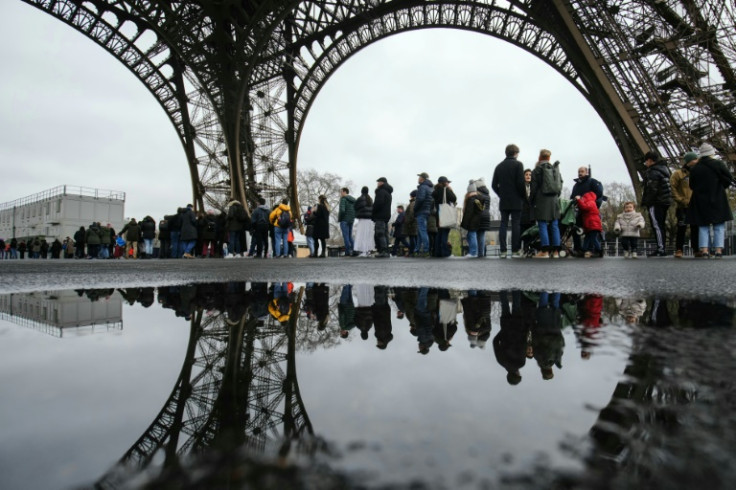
(530,325)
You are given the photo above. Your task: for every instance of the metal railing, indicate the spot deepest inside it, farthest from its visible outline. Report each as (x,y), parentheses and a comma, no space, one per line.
(64,190)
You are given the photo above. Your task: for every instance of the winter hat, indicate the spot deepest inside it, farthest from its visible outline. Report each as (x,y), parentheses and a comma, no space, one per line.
(689,157)
(413,194)
(471,186)
(706,150)
(480,183)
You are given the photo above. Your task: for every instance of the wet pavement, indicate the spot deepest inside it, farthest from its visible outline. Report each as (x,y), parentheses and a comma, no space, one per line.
(367,373)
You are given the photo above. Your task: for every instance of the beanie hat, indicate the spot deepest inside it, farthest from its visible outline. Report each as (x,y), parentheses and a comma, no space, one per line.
(706,150)
(480,183)
(689,157)
(471,186)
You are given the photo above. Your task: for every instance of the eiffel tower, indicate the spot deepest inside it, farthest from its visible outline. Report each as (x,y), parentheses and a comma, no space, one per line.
(237,77)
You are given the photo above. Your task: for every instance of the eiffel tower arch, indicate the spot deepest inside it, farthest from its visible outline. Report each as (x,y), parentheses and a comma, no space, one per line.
(237,79)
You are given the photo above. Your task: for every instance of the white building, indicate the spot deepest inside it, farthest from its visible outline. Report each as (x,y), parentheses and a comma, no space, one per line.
(59,212)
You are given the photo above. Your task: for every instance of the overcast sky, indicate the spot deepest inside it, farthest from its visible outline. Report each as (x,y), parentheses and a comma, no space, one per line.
(440,101)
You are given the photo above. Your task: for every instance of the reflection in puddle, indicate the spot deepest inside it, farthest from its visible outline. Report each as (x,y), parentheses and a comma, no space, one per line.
(360,385)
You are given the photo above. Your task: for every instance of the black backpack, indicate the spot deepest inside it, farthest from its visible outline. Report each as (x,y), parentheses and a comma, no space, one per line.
(284,220)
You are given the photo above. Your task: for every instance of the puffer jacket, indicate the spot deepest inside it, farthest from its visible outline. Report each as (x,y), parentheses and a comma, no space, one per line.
(364,207)
(656,186)
(629,223)
(589,210)
(424,202)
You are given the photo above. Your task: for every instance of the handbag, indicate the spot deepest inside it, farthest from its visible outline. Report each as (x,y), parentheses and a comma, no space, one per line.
(447,214)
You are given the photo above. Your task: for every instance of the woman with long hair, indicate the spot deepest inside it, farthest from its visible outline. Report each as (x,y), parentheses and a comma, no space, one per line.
(364,227)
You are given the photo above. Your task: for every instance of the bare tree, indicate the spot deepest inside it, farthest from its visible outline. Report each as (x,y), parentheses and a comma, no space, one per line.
(311,185)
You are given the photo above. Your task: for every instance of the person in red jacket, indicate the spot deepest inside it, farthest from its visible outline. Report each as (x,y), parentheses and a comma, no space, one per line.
(591,220)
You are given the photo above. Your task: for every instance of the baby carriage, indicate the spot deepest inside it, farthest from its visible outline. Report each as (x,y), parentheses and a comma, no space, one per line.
(567,226)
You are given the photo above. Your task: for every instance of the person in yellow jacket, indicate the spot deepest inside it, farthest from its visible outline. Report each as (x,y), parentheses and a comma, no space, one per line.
(281,219)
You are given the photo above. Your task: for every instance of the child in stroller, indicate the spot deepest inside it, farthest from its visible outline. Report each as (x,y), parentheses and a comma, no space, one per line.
(530,237)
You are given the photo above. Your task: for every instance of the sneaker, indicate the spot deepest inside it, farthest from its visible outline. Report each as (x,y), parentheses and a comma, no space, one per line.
(678,254)
(588,255)
(717,255)
(627,254)
(633,255)
(542,255)
(555,254)
(502,255)
(516,255)
(471,256)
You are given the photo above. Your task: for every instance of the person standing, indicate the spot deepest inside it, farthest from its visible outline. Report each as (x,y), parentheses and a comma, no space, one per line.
(657,198)
(484,195)
(584,184)
(364,229)
(545,202)
(709,205)
(260,228)
(132,236)
(442,194)
(527,217)
(628,224)
(308,220)
(398,231)
(346,217)
(207,223)
(422,208)
(472,210)
(188,237)
(164,238)
(381,215)
(410,223)
(148,233)
(281,225)
(234,223)
(174,221)
(91,238)
(106,238)
(508,184)
(80,238)
(681,192)
(321,226)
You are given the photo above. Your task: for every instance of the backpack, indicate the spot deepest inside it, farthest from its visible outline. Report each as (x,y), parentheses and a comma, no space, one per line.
(284,220)
(551,179)
(260,217)
(211,226)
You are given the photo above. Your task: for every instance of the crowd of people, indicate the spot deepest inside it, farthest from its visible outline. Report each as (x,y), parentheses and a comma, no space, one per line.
(526,197)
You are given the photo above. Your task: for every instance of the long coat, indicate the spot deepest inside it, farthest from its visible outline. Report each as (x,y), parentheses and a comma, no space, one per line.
(508,184)
(188,225)
(472,212)
(709,203)
(544,208)
(321,222)
(410,221)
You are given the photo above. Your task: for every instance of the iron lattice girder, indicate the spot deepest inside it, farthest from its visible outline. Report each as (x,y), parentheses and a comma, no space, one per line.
(237,78)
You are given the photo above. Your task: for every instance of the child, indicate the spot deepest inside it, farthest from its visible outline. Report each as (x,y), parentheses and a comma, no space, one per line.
(591,219)
(628,224)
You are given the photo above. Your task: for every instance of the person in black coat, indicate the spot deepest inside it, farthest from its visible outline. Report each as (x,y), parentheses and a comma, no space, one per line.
(657,197)
(508,184)
(443,193)
(381,214)
(709,204)
(321,231)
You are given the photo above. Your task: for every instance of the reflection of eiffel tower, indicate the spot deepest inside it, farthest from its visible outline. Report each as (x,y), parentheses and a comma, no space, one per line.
(237,389)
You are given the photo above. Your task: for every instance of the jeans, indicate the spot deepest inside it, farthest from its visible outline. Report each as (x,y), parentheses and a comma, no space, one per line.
(442,249)
(515,230)
(281,242)
(310,244)
(472,243)
(233,246)
(544,235)
(591,243)
(104,252)
(347,236)
(188,246)
(719,235)
(422,236)
(175,245)
(148,246)
(481,239)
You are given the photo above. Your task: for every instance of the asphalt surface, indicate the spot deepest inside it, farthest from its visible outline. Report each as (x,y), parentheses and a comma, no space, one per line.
(609,276)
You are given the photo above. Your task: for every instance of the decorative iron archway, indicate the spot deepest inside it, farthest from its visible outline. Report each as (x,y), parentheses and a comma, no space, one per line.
(237,78)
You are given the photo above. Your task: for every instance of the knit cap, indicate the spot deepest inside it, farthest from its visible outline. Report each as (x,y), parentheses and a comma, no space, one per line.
(706,150)
(689,156)
(471,186)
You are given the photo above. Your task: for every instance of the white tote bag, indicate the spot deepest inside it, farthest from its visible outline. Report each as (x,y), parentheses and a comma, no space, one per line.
(447,213)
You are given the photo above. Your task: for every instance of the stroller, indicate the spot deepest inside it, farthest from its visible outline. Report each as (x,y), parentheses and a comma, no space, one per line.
(567,226)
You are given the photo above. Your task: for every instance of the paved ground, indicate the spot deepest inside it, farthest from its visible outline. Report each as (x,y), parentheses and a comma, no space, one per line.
(610,276)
